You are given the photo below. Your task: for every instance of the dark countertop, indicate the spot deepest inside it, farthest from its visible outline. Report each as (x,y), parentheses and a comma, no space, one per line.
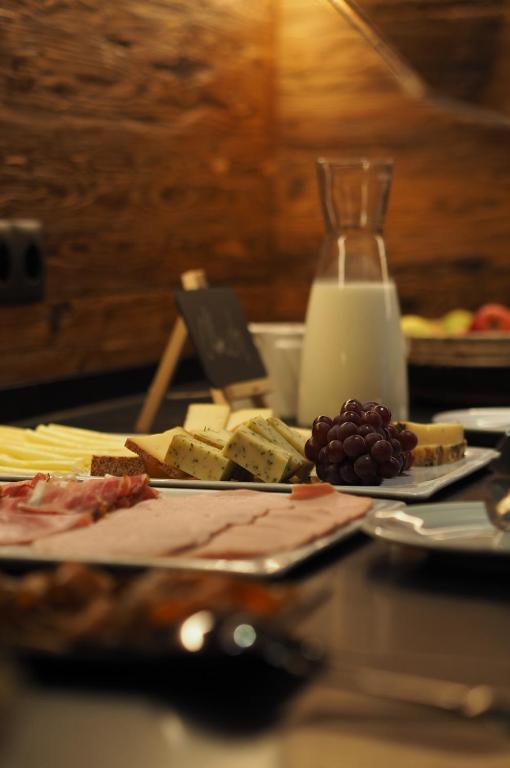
(433,614)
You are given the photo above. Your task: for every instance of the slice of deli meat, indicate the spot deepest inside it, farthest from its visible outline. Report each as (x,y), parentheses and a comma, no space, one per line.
(27,507)
(161,526)
(97,496)
(22,528)
(283,529)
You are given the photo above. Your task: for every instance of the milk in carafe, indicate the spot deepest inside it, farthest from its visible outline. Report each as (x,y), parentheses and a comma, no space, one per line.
(353,346)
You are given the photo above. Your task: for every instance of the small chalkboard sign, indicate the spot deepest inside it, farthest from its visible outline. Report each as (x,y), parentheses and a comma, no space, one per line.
(215,322)
(217,327)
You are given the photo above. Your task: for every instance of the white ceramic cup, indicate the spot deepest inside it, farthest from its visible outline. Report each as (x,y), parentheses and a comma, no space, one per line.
(280,346)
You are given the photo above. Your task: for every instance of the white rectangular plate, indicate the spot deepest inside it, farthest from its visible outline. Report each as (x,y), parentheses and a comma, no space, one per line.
(418,483)
(274,565)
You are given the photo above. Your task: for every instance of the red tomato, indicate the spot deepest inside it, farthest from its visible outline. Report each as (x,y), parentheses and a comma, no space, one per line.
(491,317)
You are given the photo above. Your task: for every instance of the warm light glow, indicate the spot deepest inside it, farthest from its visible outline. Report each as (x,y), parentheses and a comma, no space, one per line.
(193,630)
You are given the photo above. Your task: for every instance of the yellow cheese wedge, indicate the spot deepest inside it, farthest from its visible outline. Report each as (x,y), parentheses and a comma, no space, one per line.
(436,434)
(206,415)
(298,465)
(433,455)
(198,459)
(216,437)
(153,450)
(295,437)
(257,455)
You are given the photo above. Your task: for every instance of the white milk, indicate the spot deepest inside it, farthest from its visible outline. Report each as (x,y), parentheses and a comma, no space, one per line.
(353,348)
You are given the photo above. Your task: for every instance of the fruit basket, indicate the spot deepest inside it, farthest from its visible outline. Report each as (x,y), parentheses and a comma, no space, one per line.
(476,350)
(460,339)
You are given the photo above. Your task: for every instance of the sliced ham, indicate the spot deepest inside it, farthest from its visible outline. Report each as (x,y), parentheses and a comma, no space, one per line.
(22,528)
(76,503)
(283,529)
(162,526)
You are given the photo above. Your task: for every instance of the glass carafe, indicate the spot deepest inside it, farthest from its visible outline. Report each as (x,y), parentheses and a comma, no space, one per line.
(353,346)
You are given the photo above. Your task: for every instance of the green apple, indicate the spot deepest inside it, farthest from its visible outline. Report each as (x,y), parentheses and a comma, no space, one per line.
(456,321)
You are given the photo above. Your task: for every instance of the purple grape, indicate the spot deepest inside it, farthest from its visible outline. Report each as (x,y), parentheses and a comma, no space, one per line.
(335,451)
(346,430)
(365,467)
(408,461)
(369,405)
(351,405)
(395,444)
(312,449)
(321,471)
(365,430)
(390,468)
(335,433)
(356,418)
(354,446)
(372,480)
(373,419)
(320,432)
(372,439)
(381,451)
(348,475)
(323,457)
(384,413)
(408,440)
(327,419)
(332,474)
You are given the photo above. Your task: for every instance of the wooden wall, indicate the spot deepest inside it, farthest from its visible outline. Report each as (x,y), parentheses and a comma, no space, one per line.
(139,132)
(448,224)
(152,136)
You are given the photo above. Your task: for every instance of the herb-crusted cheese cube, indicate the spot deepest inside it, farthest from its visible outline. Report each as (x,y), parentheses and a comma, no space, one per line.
(293,436)
(198,459)
(215,437)
(257,455)
(298,465)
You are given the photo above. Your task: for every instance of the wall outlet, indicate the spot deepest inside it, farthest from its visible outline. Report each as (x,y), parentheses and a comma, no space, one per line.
(21,262)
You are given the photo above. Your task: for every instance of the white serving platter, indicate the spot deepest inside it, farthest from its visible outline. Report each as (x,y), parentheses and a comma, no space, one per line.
(274,565)
(418,483)
(491,420)
(462,527)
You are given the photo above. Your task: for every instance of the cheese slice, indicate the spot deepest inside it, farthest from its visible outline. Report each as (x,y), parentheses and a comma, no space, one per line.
(257,455)
(298,465)
(202,461)
(153,450)
(433,455)
(297,438)
(215,437)
(436,434)
(206,416)
(245,414)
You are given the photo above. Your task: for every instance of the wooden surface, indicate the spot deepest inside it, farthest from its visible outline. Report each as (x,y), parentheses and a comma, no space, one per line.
(173,135)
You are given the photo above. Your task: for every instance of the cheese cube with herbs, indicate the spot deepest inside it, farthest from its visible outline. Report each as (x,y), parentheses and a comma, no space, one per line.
(298,465)
(202,461)
(293,436)
(215,437)
(264,460)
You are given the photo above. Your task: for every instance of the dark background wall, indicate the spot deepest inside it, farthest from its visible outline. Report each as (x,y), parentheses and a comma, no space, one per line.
(152,137)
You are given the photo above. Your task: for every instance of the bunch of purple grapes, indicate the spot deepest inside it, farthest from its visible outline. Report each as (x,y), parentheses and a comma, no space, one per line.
(359,446)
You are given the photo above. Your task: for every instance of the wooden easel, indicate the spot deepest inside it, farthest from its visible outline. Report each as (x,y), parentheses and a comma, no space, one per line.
(254,389)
